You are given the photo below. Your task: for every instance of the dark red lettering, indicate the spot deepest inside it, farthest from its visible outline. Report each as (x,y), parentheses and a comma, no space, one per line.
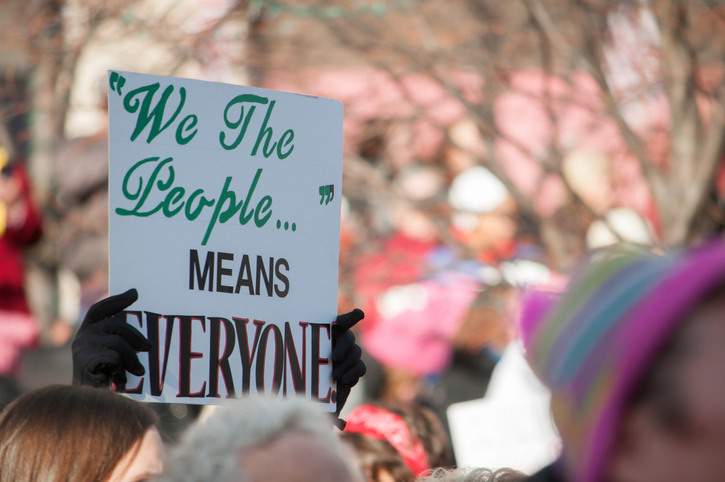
(215,362)
(278,359)
(317,361)
(186,355)
(244,351)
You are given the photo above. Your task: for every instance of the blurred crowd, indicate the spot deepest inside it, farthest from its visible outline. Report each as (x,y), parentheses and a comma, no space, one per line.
(504,229)
(468,345)
(631,351)
(447,343)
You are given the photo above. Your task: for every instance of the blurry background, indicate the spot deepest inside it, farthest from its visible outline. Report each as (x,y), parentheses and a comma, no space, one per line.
(488,144)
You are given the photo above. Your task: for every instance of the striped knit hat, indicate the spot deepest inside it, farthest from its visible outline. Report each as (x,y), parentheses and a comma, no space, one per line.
(595,345)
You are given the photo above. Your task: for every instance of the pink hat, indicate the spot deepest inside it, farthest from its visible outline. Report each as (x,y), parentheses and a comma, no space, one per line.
(595,345)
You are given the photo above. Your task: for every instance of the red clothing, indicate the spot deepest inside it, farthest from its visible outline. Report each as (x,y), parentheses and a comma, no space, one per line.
(12,242)
(400,261)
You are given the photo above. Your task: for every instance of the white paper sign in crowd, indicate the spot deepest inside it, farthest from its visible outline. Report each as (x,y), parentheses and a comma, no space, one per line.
(225,216)
(512,425)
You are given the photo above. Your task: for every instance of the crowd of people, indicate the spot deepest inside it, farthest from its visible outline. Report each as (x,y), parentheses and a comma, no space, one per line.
(630,349)
(632,352)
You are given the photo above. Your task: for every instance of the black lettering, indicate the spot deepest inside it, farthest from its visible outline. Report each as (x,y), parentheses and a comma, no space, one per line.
(281,293)
(267,279)
(194,266)
(245,276)
(221,271)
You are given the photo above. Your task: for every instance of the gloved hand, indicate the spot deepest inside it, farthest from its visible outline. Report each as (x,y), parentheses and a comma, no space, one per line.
(347,367)
(105,346)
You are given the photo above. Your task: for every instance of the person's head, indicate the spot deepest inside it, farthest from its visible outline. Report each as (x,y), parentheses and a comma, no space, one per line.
(397,442)
(72,433)
(674,426)
(262,439)
(634,354)
(466,474)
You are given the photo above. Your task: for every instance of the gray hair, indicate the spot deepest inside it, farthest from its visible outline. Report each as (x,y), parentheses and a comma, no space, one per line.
(209,450)
(467,474)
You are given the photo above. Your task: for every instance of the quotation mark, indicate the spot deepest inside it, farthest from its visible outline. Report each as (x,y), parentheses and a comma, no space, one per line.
(117,82)
(327,193)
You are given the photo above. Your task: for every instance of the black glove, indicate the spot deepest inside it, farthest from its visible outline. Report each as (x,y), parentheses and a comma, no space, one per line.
(347,367)
(105,346)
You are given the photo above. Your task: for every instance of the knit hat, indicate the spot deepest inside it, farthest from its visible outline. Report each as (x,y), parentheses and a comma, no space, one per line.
(596,344)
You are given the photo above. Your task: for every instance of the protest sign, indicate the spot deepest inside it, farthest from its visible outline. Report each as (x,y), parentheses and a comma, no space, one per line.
(512,425)
(224,214)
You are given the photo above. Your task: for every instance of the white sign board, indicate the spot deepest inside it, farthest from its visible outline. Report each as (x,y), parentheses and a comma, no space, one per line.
(511,426)
(224,207)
